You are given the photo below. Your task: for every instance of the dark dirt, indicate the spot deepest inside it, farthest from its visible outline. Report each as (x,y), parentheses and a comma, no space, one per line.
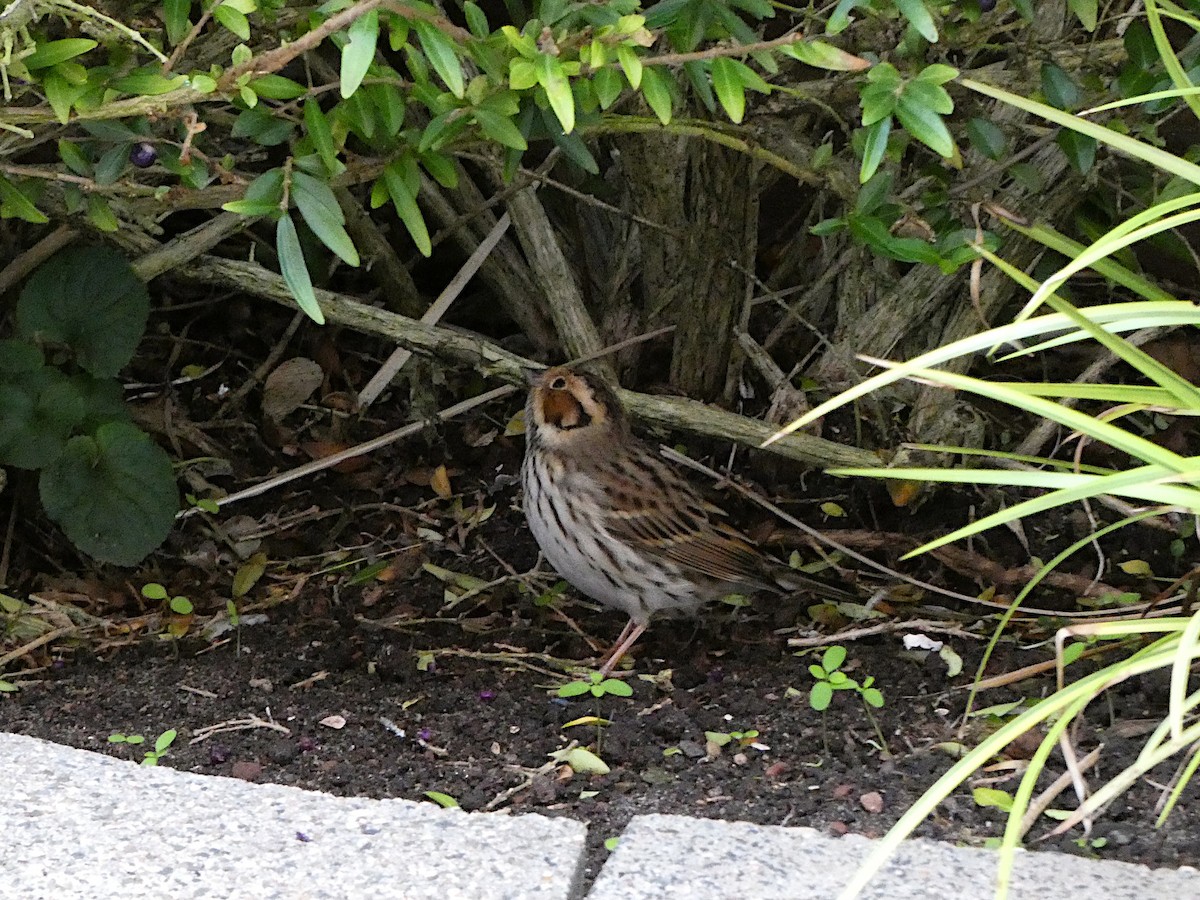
(469,690)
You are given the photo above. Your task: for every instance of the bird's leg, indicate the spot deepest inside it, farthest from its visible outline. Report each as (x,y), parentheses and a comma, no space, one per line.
(628,637)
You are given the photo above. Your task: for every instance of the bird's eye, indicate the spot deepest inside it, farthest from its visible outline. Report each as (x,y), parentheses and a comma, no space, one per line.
(558,384)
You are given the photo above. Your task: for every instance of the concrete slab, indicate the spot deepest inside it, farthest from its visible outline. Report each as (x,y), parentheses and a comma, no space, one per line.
(79,824)
(667,857)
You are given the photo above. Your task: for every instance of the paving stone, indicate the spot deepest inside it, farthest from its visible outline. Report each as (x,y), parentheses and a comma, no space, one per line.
(79,824)
(663,857)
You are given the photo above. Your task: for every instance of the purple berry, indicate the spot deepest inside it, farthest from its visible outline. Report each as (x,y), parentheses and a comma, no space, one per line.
(143,155)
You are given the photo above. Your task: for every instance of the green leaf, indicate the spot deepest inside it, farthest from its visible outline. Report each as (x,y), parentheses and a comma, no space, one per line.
(631,65)
(1059,88)
(317,204)
(992,798)
(1079,148)
(874,148)
(61,94)
(918,16)
(442,168)
(276,87)
(51,53)
(925,125)
(553,80)
(321,135)
(986,137)
(574,689)
(727,83)
(112,493)
(1085,11)
(608,85)
(359,51)
(15,205)
(833,658)
(260,126)
(443,800)
(90,299)
(440,52)
(294,269)
(820,55)
(38,412)
(404,198)
(73,158)
(820,696)
(522,74)
(501,129)
(175,16)
(476,20)
(233,20)
(656,88)
(148,84)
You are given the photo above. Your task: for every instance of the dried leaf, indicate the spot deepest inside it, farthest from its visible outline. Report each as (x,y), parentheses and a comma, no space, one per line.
(289,386)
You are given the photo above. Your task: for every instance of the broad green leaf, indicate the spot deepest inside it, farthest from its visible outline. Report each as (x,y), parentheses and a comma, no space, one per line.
(232,19)
(72,156)
(51,53)
(89,299)
(1085,11)
(317,204)
(112,493)
(1079,148)
(61,94)
(1059,88)
(839,19)
(439,50)
(321,135)
(260,126)
(553,80)
(727,83)
(986,137)
(359,51)
(918,16)
(442,169)
(294,269)
(608,84)
(656,88)
(522,74)
(501,129)
(15,205)
(38,412)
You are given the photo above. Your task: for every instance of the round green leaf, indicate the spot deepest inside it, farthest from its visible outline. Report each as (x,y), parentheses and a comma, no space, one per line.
(90,299)
(113,493)
(38,411)
(820,696)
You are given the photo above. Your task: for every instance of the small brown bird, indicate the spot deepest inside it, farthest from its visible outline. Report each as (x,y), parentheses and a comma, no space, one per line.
(620,524)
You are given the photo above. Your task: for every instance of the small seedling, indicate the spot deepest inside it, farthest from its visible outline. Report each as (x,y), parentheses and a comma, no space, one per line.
(830,678)
(722,738)
(445,801)
(151,757)
(597,685)
(181,606)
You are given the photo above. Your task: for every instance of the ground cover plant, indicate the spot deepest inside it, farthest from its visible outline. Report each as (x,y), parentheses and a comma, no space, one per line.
(309,249)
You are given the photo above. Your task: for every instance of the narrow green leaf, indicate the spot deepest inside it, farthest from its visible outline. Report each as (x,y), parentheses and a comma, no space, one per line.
(51,53)
(319,207)
(608,84)
(276,87)
(175,17)
(439,50)
(631,65)
(442,169)
(553,80)
(15,205)
(61,95)
(476,20)
(820,55)
(874,149)
(501,129)
(728,85)
(404,199)
(925,125)
(321,134)
(359,51)
(101,215)
(148,84)
(918,16)
(656,88)
(294,269)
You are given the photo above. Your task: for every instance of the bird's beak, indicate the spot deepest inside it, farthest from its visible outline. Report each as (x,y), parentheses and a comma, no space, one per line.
(533,377)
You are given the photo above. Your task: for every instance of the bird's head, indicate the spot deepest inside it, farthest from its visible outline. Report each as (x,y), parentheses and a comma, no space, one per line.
(568,408)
